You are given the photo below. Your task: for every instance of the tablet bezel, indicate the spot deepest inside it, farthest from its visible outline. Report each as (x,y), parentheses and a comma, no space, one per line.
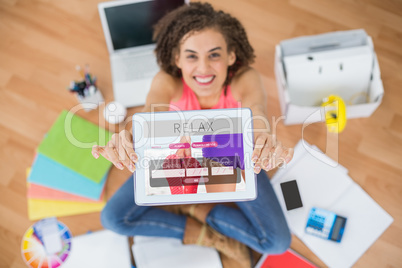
(250,193)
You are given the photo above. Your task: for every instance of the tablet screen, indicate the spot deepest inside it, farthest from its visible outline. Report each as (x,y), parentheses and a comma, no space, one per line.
(194,156)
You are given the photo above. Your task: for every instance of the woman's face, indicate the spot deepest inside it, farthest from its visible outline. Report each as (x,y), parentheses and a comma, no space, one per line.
(204,61)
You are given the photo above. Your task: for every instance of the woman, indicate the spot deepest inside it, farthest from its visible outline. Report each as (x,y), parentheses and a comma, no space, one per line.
(204,57)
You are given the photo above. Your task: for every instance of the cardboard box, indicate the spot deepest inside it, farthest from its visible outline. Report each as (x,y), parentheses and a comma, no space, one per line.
(350,72)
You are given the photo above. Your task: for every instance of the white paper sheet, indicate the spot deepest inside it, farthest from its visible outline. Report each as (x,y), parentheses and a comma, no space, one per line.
(300,150)
(101,249)
(156,252)
(319,186)
(366,221)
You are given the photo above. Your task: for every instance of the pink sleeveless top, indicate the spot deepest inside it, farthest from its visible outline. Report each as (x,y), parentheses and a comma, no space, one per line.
(189,101)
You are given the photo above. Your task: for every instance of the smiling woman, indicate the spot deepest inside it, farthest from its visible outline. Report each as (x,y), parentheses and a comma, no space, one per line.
(203,60)
(204,57)
(176,27)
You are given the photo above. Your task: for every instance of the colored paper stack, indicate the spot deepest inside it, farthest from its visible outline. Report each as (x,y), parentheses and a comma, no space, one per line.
(65,179)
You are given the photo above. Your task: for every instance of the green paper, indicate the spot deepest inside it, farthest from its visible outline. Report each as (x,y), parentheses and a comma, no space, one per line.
(69,142)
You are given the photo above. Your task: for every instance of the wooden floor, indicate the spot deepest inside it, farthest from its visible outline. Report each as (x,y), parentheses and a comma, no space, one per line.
(41,41)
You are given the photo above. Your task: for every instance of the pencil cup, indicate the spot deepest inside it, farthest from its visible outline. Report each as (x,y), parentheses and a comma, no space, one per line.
(86,90)
(91,101)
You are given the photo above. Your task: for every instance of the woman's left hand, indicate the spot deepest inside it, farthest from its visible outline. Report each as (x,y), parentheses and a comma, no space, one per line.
(269,153)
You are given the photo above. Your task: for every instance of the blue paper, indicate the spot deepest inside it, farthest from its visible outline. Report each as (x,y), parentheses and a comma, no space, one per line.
(49,173)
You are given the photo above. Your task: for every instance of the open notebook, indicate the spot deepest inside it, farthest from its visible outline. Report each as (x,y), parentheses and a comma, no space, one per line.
(329,187)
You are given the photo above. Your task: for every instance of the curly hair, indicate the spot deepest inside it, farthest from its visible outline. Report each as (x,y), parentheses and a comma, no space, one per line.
(170,30)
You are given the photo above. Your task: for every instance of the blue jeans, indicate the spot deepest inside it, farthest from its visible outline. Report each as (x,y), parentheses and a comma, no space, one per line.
(259,224)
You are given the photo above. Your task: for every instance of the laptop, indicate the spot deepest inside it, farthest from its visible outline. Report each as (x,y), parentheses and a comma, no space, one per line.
(128,29)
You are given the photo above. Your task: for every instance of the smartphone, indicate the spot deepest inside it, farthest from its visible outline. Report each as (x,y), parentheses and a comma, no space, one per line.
(291,195)
(325,224)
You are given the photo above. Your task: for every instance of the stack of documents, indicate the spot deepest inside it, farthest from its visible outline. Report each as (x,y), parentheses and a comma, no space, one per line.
(325,184)
(65,179)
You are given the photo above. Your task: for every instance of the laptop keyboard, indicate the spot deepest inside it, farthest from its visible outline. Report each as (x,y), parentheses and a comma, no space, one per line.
(135,67)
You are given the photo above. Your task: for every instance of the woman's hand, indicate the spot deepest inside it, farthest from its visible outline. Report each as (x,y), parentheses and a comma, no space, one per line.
(269,153)
(182,153)
(119,150)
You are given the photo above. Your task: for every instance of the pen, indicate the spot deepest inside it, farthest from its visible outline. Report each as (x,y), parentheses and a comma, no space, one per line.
(78,68)
(87,75)
(94,81)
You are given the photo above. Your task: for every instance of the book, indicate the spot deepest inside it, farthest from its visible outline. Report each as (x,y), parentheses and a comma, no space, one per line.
(69,142)
(40,208)
(46,202)
(49,173)
(41,192)
(287,259)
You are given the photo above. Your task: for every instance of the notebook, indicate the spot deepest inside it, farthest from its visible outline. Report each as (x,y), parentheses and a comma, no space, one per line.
(39,208)
(287,259)
(127,26)
(69,142)
(41,192)
(49,173)
(329,187)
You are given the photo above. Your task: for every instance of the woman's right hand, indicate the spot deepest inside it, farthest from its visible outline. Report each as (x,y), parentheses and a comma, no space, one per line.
(119,150)
(182,153)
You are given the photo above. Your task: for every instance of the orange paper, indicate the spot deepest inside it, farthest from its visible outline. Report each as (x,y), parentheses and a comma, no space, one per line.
(46,193)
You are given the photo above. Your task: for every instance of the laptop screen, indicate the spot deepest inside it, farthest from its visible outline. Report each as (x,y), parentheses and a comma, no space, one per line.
(131,25)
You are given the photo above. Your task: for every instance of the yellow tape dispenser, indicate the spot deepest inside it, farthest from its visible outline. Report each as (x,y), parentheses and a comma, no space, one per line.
(335,113)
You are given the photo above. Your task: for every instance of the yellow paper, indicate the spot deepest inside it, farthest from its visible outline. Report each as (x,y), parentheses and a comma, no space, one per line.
(40,208)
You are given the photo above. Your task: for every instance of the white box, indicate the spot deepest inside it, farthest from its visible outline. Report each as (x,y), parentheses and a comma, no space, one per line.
(295,113)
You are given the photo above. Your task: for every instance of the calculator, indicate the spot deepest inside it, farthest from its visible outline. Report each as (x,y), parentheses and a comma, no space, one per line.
(325,224)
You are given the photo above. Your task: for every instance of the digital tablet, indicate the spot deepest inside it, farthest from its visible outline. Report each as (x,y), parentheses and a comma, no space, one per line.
(187,157)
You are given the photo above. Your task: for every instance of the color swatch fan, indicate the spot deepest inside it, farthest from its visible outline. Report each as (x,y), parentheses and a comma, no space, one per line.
(46,244)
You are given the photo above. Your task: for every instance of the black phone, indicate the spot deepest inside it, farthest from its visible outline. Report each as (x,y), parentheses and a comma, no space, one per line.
(291,195)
